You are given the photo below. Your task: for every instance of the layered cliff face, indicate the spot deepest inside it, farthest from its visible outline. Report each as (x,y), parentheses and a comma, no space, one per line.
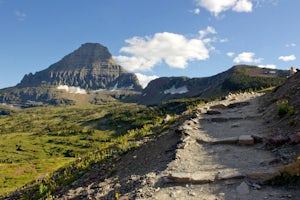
(89,67)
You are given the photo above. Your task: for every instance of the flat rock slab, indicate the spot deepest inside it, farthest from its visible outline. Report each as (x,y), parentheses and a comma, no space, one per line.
(228,140)
(195,177)
(229,175)
(263,176)
(246,140)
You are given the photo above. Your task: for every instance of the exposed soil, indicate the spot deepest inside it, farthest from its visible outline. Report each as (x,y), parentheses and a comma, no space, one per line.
(211,155)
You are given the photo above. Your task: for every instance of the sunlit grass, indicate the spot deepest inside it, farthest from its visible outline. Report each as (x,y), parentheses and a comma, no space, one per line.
(36,142)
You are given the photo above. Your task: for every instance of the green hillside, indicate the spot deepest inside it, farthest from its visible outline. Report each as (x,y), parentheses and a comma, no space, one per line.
(35,142)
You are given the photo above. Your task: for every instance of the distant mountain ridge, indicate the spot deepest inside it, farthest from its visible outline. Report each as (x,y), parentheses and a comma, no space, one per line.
(237,78)
(89,67)
(89,75)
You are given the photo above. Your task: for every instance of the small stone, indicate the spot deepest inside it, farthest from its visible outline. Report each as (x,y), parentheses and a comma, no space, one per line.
(235,125)
(243,188)
(191,193)
(246,140)
(256,186)
(124,198)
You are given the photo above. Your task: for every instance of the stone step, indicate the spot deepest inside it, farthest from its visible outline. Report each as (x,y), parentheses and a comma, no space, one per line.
(226,175)
(203,177)
(242,139)
(195,177)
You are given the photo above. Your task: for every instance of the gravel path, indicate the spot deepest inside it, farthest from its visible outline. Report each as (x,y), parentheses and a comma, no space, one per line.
(215,155)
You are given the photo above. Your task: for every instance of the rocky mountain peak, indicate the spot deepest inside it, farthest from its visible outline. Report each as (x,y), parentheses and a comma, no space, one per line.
(89,67)
(87,55)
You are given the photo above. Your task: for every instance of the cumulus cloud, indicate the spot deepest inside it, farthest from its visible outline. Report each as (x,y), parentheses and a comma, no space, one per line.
(247,57)
(144,79)
(218,6)
(287,58)
(230,54)
(20,15)
(269,66)
(176,50)
(243,6)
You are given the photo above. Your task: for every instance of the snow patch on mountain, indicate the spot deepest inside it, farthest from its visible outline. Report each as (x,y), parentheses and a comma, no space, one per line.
(173,90)
(72,90)
(115,88)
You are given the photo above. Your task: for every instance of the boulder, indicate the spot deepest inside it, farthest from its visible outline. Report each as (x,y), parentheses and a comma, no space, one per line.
(295,138)
(277,140)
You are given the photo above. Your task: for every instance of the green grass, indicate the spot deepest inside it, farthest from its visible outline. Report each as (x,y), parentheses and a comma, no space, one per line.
(59,143)
(35,142)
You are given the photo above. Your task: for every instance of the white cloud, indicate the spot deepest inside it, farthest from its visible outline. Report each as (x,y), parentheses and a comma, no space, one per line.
(223,40)
(230,54)
(174,49)
(287,58)
(247,57)
(20,15)
(218,6)
(144,79)
(269,66)
(290,45)
(196,11)
(208,30)
(243,6)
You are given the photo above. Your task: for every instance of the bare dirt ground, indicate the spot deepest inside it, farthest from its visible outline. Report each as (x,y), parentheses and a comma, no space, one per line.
(214,155)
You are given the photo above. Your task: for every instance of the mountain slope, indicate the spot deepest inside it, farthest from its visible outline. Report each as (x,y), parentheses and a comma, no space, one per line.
(237,78)
(281,106)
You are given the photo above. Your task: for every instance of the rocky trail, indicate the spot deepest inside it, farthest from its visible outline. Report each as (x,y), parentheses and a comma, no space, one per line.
(215,154)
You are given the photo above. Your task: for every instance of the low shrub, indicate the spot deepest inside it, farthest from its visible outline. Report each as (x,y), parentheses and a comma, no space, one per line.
(284,108)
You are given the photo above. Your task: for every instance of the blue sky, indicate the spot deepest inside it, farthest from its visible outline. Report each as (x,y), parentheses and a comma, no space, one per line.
(152,38)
